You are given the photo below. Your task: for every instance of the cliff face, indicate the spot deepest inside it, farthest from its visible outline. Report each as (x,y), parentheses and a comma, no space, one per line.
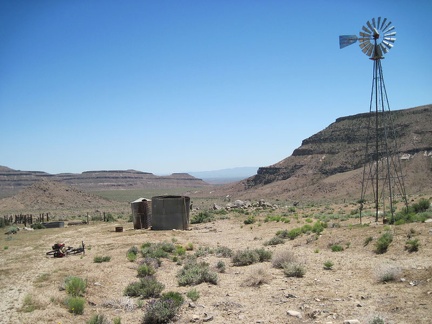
(11,181)
(340,148)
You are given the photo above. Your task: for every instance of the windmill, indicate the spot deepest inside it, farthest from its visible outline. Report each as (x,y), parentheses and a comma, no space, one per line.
(382,166)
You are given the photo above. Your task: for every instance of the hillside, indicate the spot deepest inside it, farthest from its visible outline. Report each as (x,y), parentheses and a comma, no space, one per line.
(329,164)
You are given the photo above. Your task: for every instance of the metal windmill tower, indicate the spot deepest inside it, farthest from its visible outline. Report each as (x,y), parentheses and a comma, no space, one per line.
(382,172)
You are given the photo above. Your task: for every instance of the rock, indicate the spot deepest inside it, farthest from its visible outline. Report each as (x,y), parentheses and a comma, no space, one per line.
(352,321)
(294,313)
(195,318)
(192,305)
(208,317)
(429,220)
(217,207)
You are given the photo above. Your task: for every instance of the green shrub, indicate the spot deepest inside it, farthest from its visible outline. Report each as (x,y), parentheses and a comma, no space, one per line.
(98,319)
(224,252)
(29,304)
(180,250)
(157,250)
(202,217)
(75,286)
(282,234)
(318,227)
(383,243)
(160,311)
(422,206)
(263,255)
(193,294)
(203,251)
(146,287)
(220,266)
(328,265)
(132,253)
(37,226)
(12,230)
(412,245)
(75,305)
(292,234)
(245,257)
(249,220)
(194,273)
(176,297)
(367,240)
(377,320)
(294,270)
(275,241)
(100,259)
(109,218)
(336,248)
(145,270)
(131,256)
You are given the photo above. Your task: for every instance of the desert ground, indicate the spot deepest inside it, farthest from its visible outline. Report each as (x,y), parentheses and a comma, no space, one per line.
(353,289)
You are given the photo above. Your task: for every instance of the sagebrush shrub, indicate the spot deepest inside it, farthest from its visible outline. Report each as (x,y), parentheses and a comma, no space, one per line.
(193,294)
(224,252)
(257,277)
(99,319)
(275,241)
(245,257)
(282,257)
(75,305)
(146,287)
(202,217)
(294,270)
(336,248)
(412,245)
(194,273)
(386,273)
(160,311)
(145,270)
(383,243)
(75,286)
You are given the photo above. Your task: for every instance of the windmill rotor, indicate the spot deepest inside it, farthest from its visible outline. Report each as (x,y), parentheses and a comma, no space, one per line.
(375,39)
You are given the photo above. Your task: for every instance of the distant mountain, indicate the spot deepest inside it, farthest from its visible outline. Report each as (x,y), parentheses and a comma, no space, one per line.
(225,175)
(12,181)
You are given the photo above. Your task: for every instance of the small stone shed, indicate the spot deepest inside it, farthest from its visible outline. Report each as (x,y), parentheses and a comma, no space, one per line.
(141,213)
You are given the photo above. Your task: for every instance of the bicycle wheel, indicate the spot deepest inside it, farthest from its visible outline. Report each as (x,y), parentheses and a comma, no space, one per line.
(76,251)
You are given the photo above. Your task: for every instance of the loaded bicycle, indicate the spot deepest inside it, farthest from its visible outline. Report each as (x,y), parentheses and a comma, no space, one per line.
(60,250)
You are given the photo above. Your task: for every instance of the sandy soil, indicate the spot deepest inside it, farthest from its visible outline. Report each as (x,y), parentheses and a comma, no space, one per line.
(349,291)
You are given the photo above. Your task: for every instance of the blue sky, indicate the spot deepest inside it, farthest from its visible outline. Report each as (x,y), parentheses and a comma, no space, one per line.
(174,86)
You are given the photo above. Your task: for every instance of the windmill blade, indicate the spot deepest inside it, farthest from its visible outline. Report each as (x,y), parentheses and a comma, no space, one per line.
(384,21)
(383,48)
(346,40)
(378,25)
(373,23)
(384,28)
(366,48)
(390,34)
(363,45)
(388,30)
(387,44)
(370,50)
(366,30)
(390,39)
(364,35)
(369,25)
